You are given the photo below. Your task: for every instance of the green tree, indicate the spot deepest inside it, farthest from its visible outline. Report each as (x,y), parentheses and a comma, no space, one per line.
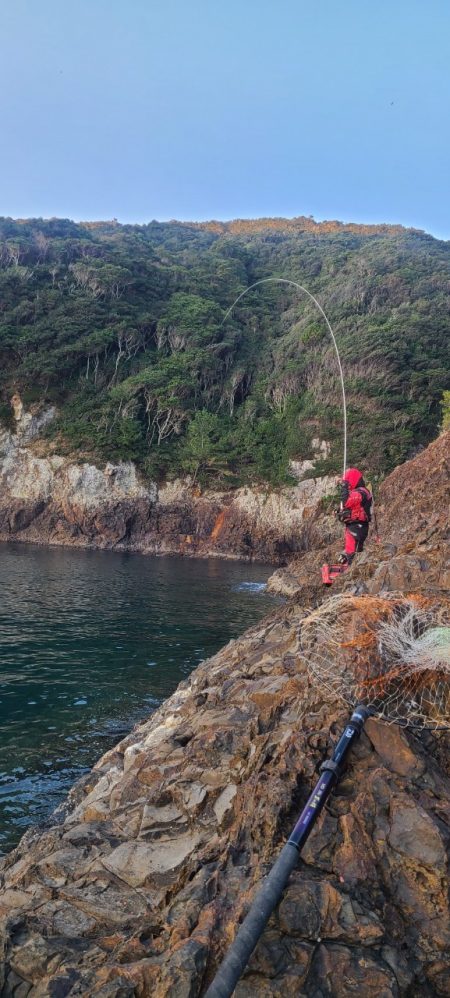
(446,410)
(202,452)
(121,327)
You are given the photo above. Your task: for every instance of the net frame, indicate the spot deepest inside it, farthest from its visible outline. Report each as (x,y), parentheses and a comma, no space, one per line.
(389,652)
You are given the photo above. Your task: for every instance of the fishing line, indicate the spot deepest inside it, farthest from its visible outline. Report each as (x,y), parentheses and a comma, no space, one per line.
(284,280)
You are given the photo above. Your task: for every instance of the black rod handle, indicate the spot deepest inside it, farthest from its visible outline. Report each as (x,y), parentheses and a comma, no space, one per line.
(254,924)
(269,894)
(331,770)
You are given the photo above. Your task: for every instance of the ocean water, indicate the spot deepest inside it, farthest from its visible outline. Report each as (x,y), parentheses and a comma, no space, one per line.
(90,643)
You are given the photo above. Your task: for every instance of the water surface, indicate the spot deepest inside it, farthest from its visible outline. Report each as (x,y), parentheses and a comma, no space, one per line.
(92,641)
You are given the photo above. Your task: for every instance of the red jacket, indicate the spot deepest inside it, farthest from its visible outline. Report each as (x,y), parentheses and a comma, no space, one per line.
(359,498)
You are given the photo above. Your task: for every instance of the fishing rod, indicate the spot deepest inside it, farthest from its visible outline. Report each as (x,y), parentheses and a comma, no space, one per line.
(273,886)
(396,669)
(294,284)
(375,520)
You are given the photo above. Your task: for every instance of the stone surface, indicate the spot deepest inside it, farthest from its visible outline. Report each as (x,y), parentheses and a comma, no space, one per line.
(413,552)
(137,888)
(195,803)
(46,499)
(392,746)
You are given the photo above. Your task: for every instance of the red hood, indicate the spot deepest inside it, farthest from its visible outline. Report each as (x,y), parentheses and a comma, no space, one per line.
(353,477)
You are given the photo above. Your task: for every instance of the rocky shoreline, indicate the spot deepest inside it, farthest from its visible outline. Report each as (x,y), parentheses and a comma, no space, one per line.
(135,887)
(47,499)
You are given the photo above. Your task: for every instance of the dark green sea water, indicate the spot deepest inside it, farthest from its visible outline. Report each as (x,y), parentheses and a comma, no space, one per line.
(90,642)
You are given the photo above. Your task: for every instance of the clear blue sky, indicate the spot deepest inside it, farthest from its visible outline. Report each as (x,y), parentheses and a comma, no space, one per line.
(197,109)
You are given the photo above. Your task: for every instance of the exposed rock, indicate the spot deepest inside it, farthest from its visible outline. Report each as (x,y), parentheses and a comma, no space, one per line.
(414,553)
(314,909)
(414,835)
(321,450)
(392,746)
(49,500)
(139,885)
(224,802)
(135,862)
(145,879)
(29,425)
(340,972)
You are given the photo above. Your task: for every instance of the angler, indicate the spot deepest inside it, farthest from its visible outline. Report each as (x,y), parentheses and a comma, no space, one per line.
(355,512)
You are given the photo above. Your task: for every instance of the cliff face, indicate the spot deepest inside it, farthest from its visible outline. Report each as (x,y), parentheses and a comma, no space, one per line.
(415,521)
(136,886)
(49,500)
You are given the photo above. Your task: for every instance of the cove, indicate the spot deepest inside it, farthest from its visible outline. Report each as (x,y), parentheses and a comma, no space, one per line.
(90,643)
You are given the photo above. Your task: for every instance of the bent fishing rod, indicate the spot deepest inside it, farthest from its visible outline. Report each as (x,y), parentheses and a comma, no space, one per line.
(299,287)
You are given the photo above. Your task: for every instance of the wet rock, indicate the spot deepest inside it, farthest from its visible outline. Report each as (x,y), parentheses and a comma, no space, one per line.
(23,516)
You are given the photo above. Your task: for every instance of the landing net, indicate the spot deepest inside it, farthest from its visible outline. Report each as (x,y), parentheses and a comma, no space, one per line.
(390,653)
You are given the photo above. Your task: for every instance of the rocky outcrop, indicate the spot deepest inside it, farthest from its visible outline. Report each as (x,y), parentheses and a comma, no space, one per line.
(139,886)
(415,521)
(413,551)
(136,886)
(50,500)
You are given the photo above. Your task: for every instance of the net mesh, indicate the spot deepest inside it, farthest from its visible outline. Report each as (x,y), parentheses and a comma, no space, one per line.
(390,653)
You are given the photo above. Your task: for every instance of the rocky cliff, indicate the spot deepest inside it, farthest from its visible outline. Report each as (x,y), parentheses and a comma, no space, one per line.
(412,549)
(136,886)
(47,499)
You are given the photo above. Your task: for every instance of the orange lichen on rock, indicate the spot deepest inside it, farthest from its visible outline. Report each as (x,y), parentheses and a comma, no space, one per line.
(218,525)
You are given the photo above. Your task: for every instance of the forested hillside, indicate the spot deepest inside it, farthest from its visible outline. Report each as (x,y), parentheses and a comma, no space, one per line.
(121,328)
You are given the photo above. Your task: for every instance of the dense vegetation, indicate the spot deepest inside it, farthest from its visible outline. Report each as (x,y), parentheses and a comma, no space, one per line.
(121,327)
(446,411)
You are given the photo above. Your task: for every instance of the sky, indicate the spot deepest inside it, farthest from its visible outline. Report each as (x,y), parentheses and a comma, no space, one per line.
(200,109)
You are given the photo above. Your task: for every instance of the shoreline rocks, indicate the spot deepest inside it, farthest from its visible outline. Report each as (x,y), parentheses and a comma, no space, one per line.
(413,550)
(138,885)
(49,500)
(135,886)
